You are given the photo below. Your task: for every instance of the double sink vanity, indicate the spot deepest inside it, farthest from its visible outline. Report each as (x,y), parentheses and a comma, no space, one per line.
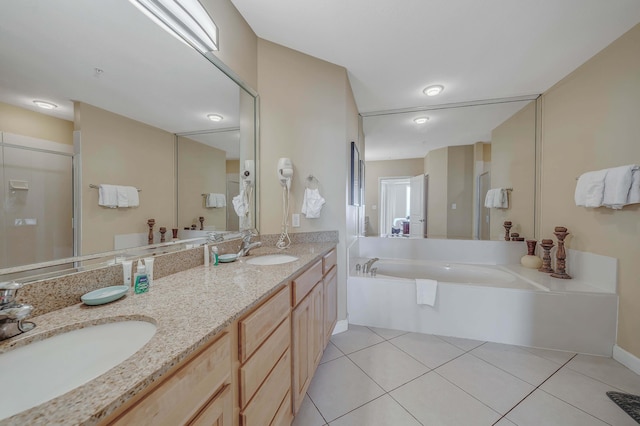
(227,344)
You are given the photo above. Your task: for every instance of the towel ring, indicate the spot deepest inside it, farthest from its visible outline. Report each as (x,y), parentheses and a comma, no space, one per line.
(312,182)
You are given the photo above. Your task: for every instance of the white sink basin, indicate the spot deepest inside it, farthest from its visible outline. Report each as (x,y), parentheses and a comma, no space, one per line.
(270,259)
(40,371)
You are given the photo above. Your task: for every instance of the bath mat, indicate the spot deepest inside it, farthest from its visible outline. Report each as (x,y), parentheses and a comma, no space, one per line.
(629,403)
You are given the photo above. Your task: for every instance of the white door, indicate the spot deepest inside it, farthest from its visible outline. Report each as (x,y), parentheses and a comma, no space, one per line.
(417,219)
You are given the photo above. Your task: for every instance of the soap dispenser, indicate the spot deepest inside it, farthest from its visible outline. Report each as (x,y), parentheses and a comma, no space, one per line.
(141,283)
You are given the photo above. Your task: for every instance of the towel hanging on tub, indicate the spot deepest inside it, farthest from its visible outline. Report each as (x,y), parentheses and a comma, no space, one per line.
(426,291)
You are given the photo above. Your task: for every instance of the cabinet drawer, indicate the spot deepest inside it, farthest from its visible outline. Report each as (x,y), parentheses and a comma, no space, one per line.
(261,410)
(329,261)
(257,368)
(284,416)
(183,394)
(218,412)
(258,325)
(305,282)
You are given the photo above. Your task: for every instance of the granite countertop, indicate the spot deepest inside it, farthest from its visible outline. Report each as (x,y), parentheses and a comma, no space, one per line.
(188,308)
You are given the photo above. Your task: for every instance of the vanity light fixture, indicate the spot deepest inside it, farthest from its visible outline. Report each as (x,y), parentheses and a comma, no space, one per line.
(45,104)
(214,117)
(186,19)
(433,90)
(421,120)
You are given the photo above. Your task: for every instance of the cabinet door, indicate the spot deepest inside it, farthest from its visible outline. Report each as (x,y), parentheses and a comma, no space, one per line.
(301,318)
(330,303)
(218,412)
(317,326)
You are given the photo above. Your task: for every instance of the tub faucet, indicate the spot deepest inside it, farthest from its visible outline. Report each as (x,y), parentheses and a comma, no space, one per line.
(12,313)
(367,266)
(246,244)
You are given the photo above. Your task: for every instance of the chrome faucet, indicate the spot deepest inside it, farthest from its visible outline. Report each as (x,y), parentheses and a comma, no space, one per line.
(12,314)
(367,266)
(246,244)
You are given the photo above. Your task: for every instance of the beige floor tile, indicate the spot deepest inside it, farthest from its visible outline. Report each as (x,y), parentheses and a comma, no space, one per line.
(543,409)
(339,386)
(559,357)
(429,350)
(387,365)
(308,415)
(330,353)
(496,388)
(464,344)
(588,395)
(383,411)
(356,338)
(435,401)
(387,333)
(515,360)
(608,371)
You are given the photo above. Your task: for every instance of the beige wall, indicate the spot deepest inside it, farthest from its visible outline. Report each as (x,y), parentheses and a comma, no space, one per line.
(379,169)
(30,123)
(308,114)
(238,43)
(201,170)
(460,192)
(232,166)
(435,165)
(118,150)
(513,166)
(590,121)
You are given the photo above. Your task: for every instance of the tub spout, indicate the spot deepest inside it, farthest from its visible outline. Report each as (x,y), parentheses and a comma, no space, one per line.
(367,266)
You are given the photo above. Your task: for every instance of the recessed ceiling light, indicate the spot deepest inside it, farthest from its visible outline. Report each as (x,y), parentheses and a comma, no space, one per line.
(214,117)
(421,120)
(433,90)
(45,104)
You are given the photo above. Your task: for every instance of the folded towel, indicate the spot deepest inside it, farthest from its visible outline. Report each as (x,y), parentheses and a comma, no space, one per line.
(590,189)
(488,199)
(617,184)
(426,291)
(215,200)
(312,203)
(107,196)
(221,200)
(132,196)
(501,200)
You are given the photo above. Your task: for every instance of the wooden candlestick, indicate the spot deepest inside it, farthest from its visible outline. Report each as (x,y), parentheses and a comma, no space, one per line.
(151,222)
(561,233)
(507,226)
(546,245)
(193,227)
(163,230)
(530,260)
(201,219)
(531,247)
(174,232)
(515,236)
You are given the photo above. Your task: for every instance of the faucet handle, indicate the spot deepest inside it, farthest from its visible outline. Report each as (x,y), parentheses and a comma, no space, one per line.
(8,291)
(17,313)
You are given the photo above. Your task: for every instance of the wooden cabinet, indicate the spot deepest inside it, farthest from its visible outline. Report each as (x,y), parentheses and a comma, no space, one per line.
(197,389)
(330,303)
(264,357)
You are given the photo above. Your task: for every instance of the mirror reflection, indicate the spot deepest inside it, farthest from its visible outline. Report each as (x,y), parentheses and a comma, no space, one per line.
(131,106)
(430,178)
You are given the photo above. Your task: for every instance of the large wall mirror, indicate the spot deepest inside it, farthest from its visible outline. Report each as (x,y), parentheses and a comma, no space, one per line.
(429,171)
(134,106)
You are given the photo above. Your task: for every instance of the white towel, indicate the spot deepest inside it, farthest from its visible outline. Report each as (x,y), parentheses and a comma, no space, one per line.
(221,200)
(240,204)
(590,189)
(107,196)
(312,203)
(617,185)
(488,199)
(132,196)
(496,198)
(426,291)
(216,200)
(634,192)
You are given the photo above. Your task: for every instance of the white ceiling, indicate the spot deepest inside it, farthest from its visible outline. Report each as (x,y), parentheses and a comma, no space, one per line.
(477,49)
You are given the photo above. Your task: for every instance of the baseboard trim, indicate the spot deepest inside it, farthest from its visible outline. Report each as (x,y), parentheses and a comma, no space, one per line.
(341,326)
(627,359)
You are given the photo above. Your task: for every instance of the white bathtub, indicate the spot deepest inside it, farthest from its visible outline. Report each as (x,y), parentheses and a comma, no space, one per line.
(484,302)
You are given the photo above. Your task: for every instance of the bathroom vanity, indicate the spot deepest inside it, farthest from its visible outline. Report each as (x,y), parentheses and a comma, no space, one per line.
(236,344)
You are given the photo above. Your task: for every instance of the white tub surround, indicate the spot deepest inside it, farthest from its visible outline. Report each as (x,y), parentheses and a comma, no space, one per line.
(490,299)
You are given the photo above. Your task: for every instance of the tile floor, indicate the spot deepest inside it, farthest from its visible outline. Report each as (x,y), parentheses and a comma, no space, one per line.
(378,377)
